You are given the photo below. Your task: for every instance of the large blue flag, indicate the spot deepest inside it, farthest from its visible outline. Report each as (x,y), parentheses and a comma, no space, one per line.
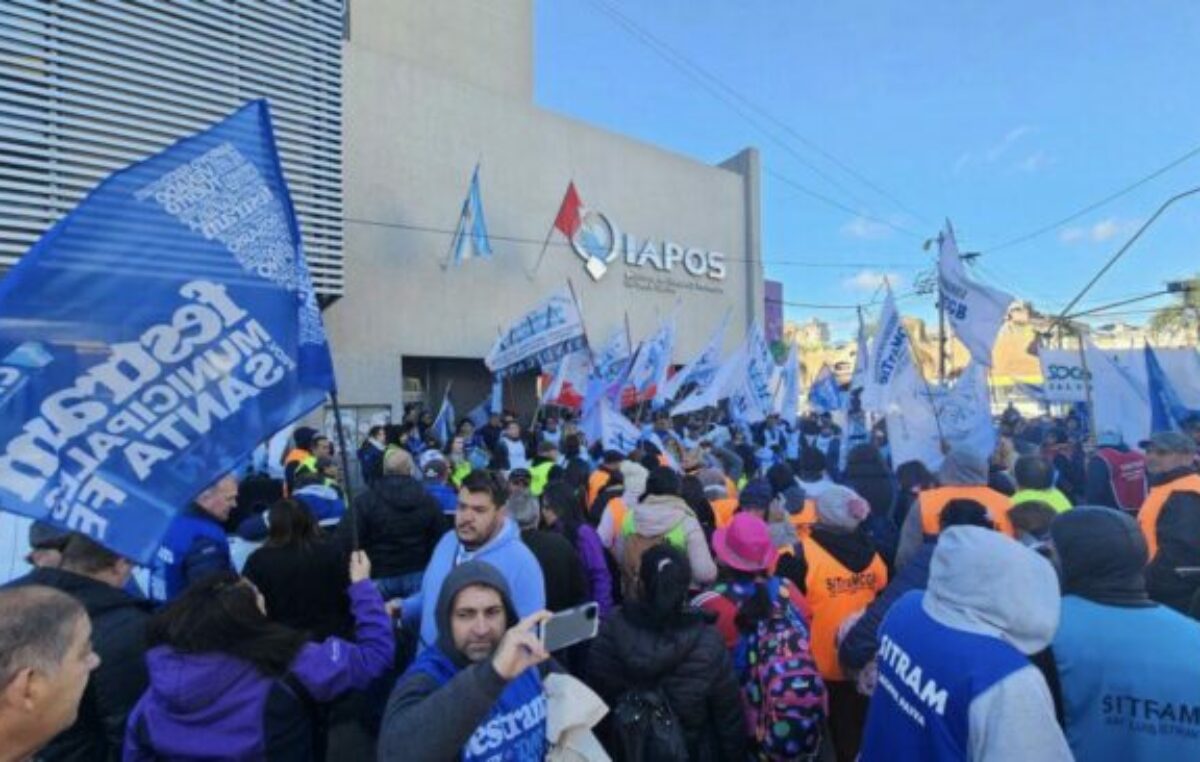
(1167,411)
(155,335)
(824,395)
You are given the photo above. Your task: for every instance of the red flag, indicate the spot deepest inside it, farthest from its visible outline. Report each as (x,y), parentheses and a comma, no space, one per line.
(568,219)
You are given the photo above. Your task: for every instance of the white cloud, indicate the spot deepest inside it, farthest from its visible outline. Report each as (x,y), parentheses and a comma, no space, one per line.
(1034,162)
(1072,235)
(865,229)
(1008,141)
(993,153)
(870,280)
(1104,230)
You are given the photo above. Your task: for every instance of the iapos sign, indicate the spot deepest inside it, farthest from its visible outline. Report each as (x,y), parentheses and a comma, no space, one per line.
(599,242)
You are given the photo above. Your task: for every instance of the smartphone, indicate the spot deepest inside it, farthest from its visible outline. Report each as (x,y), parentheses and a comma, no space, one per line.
(568,627)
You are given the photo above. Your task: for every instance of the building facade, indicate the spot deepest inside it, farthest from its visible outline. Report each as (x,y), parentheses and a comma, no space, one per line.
(382,110)
(432,90)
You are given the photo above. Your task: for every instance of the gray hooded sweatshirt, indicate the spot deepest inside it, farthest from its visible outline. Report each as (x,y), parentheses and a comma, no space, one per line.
(985,583)
(425,721)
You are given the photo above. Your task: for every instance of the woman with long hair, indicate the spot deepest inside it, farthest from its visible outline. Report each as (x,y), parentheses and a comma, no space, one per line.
(562,512)
(658,640)
(301,574)
(228,683)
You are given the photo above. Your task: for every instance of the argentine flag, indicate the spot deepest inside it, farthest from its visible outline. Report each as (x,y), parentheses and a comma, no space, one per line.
(471,238)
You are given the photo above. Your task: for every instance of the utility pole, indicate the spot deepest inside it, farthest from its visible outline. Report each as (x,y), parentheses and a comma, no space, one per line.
(941,335)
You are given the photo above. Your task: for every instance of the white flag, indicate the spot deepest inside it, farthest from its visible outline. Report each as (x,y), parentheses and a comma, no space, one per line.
(605,424)
(921,416)
(649,372)
(975,311)
(544,334)
(858,378)
(760,367)
(965,413)
(570,380)
(728,377)
(890,356)
(703,368)
(611,358)
(788,394)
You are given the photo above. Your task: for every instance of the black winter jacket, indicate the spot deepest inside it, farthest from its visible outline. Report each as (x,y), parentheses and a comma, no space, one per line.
(119,639)
(1178,547)
(688,662)
(399,523)
(566,584)
(305,587)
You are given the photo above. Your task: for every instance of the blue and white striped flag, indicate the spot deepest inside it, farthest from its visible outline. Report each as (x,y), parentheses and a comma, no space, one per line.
(471,238)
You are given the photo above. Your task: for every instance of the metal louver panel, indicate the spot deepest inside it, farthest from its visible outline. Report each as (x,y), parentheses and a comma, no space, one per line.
(88,86)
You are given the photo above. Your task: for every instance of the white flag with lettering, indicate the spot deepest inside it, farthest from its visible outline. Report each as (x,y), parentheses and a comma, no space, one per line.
(975,311)
(890,356)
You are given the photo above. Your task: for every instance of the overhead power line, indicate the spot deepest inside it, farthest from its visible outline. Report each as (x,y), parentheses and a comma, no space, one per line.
(1095,204)
(731,97)
(539,242)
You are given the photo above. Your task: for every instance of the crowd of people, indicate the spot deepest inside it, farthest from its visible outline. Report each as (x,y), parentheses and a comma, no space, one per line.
(767,592)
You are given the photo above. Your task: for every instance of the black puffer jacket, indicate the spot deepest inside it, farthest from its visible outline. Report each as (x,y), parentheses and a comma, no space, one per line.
(119,639)
(399,523)
(691,665)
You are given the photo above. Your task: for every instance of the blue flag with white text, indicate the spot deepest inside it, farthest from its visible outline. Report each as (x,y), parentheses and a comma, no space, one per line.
(155,335)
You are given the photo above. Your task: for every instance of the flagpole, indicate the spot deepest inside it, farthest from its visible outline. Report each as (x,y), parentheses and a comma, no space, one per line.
(545,245)
(341,436)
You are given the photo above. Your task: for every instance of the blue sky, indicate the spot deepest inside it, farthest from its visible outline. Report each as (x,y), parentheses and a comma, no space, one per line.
(1004,117)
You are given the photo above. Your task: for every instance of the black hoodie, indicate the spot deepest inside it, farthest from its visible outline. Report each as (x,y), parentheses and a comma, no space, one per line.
(399,524)
(119,639)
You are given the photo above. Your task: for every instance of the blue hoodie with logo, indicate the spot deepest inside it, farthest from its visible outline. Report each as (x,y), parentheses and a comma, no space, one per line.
(505,551)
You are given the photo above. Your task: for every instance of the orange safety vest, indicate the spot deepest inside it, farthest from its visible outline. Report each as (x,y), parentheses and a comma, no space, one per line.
(723,510)
(617,509)
(1148,516)
(932,501)
(731,489)
(805,519)
(596,481)
(834,593)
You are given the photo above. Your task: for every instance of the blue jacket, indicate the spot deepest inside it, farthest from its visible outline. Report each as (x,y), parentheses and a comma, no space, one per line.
(862,641)
(194,546)
(324,501)
(1128,677)
(446,496)
(505,551)
(515,728)
(929,674)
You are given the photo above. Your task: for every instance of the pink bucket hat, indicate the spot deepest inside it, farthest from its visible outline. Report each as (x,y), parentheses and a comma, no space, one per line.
(745,544)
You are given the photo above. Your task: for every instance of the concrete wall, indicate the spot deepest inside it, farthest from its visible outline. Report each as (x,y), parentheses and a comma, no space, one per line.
(421,108)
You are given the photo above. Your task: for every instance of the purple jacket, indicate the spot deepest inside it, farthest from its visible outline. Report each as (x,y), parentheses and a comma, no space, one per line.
(591,553)
(212,705)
